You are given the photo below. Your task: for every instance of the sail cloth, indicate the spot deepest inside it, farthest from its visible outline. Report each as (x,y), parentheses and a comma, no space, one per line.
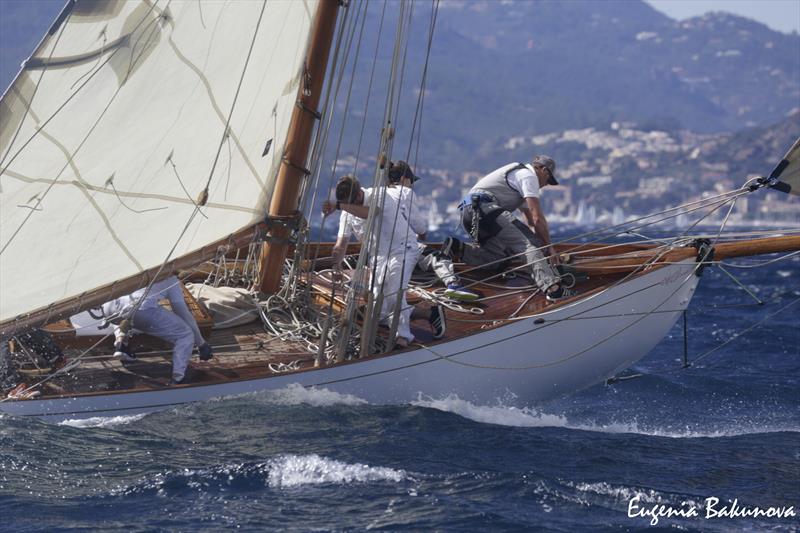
(788,171)
(124,115)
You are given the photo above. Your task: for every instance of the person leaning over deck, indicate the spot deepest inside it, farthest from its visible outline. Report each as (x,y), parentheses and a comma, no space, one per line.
(394,253)
(178,327)
(401,180)
(487,215)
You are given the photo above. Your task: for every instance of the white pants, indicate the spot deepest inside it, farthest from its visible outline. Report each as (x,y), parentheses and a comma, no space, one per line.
(394,272)
(178,328)
(438,264)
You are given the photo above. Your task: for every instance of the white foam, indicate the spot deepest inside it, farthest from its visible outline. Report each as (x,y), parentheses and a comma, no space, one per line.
(296,470)
(784,273)
(101,421)
(296,394)
(500,414)
(622,494)
(527,417)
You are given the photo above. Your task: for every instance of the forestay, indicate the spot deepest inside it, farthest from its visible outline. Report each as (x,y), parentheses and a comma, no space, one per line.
(124,115)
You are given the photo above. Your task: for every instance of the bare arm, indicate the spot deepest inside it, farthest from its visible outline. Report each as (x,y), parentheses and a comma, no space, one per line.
(536,219)
(359,210)
(339,250)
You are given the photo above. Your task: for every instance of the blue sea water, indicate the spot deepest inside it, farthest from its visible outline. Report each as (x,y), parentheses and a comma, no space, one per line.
(296,459)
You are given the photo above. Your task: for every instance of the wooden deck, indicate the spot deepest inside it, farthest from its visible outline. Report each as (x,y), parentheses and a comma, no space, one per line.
(246,352)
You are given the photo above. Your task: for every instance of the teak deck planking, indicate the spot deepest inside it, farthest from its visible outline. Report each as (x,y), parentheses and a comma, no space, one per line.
(245,352)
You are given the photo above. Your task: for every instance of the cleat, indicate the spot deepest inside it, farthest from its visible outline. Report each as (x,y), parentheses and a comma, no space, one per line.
(456,291)
(437,321)
(205,351)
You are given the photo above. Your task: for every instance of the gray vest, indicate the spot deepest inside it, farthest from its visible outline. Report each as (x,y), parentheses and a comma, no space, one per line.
(495,183)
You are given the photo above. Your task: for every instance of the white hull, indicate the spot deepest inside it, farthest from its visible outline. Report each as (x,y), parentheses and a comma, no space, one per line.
(575,347)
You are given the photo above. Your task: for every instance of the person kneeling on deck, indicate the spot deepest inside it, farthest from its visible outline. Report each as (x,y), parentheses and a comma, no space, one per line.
(401,182)
(487,216)
(393,255)
(177,327)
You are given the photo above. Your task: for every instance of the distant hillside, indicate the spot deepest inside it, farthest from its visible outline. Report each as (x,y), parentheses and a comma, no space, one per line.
(502,68)
(634,171)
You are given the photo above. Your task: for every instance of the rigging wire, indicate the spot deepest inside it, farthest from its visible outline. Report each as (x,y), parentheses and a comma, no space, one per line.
(401,41)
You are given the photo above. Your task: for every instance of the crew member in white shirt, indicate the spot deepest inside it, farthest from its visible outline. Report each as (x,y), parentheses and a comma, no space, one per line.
(178,327)
(393,244)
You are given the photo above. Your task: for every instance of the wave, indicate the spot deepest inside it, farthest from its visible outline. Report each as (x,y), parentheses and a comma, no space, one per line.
(528,417)
(619,496)
(102,421)
(295,470)
(282,471)
(295,394)
(500,415)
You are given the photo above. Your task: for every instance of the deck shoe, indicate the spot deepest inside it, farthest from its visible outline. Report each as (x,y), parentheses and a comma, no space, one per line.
(452,249)
(561,293)
(183,381)
(456,291)
(205,351)
(437,321)
(124,352)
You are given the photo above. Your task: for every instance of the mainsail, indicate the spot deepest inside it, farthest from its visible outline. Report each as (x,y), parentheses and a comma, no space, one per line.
(787,173)
(141,131)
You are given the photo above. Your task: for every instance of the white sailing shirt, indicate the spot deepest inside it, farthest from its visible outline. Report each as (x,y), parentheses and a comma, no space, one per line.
(407,200)
(393,236)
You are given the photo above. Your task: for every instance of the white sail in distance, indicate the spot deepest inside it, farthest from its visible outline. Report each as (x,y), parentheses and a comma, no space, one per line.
(125,114)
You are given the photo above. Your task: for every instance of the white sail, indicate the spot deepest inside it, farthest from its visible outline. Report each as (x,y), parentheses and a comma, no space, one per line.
(125,114)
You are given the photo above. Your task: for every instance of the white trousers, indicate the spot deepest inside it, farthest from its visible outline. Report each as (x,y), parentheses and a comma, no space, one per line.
(393,272)
(178,328)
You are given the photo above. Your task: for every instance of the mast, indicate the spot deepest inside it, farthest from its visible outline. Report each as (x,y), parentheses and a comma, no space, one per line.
(285,198)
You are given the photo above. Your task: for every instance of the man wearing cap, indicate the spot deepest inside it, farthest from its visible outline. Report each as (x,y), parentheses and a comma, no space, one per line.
(393,251)
(487,214)
(401,182)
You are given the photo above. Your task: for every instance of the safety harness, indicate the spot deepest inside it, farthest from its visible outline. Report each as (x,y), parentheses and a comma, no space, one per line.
(479,211)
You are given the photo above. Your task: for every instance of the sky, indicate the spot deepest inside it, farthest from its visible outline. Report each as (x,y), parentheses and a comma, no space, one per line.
(781,15)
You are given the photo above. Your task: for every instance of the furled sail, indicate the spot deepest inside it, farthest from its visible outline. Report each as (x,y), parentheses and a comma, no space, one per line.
(787,173)
(126,117)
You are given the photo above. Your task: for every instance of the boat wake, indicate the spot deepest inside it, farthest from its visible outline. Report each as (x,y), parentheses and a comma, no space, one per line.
(504,415)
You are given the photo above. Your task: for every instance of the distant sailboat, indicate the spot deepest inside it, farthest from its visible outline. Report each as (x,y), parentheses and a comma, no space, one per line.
(586,216)
(618,217)
(146,137)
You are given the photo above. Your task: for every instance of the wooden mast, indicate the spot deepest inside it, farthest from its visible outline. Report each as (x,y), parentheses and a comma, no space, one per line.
(285,197)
